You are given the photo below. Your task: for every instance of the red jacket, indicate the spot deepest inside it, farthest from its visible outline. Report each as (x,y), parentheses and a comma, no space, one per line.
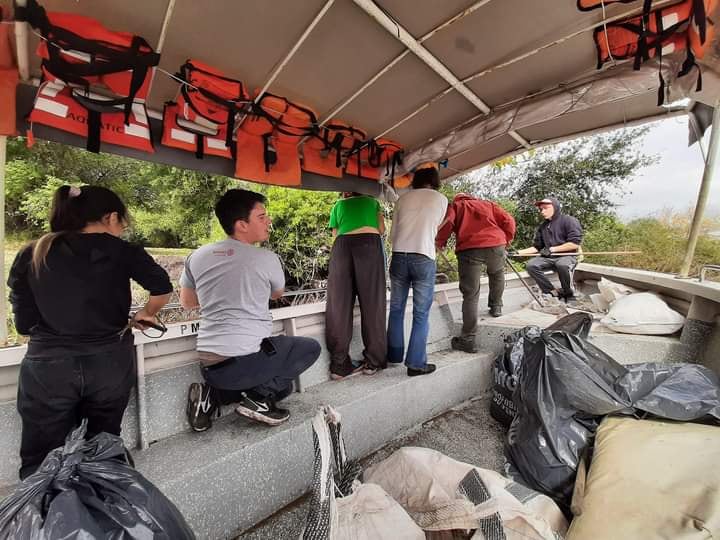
(476,224)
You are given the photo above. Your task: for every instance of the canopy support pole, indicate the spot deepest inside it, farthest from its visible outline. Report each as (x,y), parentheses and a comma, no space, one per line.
(21,44)
(713,156)
(3,297)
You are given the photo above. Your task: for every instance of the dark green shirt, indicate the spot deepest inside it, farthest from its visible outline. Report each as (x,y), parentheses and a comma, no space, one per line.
(353,213)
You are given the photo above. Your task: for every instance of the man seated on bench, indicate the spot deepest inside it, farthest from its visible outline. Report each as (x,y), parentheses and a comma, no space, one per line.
(557,242)
(232,282)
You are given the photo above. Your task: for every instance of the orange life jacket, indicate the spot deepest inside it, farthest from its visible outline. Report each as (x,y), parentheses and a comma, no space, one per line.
(377,159)
(642,37)
(8,82)
(210,96)
(79,51)
(62,107)
(267,141)
(327,151)
(684,26)
(202,137)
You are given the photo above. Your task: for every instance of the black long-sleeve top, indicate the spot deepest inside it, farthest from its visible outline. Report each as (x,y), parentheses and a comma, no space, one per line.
(79,302)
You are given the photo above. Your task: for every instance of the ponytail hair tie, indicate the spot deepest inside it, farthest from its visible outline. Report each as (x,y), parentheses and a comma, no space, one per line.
(74,191)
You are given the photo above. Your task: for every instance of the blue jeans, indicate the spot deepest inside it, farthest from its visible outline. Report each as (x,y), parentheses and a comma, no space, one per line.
(416,271)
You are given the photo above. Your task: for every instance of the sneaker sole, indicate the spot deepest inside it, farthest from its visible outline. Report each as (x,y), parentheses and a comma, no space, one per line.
(249,413)
(194,395)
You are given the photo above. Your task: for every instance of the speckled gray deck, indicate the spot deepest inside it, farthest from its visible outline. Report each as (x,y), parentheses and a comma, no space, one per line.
(238,473)
(466,433)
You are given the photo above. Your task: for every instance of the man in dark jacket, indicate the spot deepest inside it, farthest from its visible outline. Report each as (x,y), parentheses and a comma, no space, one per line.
(557,234)
(482,230)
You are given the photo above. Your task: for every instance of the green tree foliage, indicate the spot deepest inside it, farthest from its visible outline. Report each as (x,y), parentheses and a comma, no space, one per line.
(586,175)
(170,207)
(300,233)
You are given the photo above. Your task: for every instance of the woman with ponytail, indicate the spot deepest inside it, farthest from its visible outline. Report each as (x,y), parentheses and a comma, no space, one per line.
(70,292)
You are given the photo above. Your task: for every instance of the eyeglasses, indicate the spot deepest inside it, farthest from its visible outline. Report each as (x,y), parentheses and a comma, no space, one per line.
(147,328)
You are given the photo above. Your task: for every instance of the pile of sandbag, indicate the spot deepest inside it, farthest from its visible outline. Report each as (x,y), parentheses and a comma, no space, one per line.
(342,508)
(630,311)
(649,479)
(418,494)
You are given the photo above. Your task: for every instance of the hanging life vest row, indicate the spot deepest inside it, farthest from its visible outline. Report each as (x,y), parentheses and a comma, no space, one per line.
(79,53)
(654,33)
(95,82)
(271,138)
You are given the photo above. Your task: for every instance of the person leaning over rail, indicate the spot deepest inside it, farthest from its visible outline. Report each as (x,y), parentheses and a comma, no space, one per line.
(557,234)
(232,282)
(70,292)
(482,230)
(357,268)
(417,216)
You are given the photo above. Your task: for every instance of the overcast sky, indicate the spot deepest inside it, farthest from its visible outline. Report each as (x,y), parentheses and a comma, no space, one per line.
(674,181)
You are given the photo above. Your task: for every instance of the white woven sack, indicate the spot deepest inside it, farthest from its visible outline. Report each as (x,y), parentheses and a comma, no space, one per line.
(643,313)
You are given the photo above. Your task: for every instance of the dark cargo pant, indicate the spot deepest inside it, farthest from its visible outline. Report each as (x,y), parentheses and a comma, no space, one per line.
(357,268)
(564,266)
(470,263)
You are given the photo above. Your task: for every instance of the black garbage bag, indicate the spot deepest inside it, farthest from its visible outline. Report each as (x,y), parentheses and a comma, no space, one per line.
(566,387)
(87,489)
(506,368)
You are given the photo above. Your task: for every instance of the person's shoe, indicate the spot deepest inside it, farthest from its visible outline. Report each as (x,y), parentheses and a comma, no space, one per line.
(262,410)
(464,345)
(496,311)
(344,372)
(414,372)
(369,370)
(201,407)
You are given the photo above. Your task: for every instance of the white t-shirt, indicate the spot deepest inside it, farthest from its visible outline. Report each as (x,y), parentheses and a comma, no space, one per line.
(233,282)
(416,219)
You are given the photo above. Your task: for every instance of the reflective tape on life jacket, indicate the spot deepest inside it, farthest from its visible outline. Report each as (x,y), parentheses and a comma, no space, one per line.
(62,107)
(8,81)
(327,152)
(643,37)
(267,141)
(202,137)
(79,51)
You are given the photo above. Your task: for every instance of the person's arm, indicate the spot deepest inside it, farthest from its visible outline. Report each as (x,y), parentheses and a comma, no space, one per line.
(505,221)
(188,295)
(153,278)
(567,246)
(25,310)
(528,251)
(277,278)
(381,223)
(446,227)
(188,298)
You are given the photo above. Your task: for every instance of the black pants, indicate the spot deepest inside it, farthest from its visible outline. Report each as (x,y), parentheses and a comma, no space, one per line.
(357,268)
(470,265)
(56,393)
(564,266)
(267,376)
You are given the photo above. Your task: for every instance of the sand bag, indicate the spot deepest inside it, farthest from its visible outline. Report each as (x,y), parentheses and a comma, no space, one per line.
(643,313)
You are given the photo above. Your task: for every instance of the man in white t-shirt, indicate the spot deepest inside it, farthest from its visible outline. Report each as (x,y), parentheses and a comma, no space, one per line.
(416,219)
(232,281)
